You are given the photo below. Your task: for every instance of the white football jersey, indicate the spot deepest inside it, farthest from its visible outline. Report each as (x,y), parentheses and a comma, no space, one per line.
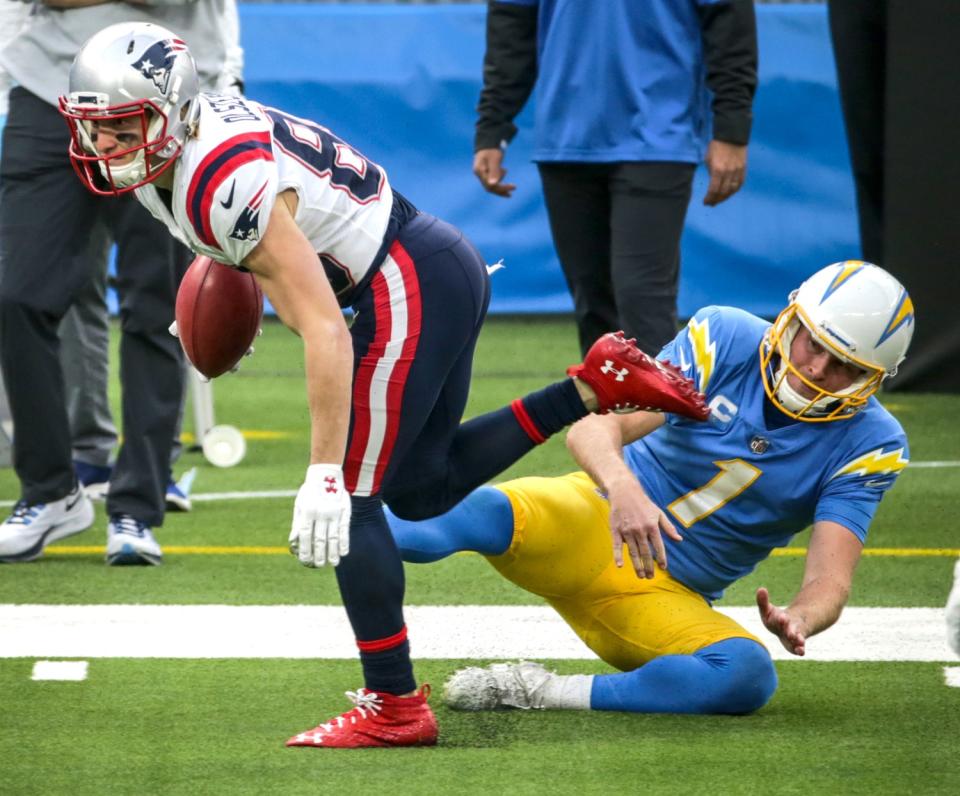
(228,176)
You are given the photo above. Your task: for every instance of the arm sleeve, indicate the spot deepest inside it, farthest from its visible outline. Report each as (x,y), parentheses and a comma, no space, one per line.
(729,30)
(509,71)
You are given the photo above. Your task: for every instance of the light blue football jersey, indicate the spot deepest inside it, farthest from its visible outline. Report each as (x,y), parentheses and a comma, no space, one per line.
(735,486)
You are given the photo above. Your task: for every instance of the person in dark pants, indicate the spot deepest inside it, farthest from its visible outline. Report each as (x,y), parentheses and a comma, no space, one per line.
(858,31)
(896,66)
(50,229)
(623,115)
(46,219)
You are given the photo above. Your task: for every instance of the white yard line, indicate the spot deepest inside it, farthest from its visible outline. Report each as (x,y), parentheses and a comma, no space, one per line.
(60,670)
(505,632)
(951,674)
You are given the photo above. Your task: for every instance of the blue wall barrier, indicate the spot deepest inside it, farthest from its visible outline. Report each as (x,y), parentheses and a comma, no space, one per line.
(401,83)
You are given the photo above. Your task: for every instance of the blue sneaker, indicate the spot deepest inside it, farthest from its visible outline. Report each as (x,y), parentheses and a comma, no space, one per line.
(176,498)
(130,541)
(94,478)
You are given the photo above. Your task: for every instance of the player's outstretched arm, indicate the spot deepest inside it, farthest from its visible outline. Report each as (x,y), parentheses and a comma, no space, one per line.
(291,275)
(596,443)
(828,575)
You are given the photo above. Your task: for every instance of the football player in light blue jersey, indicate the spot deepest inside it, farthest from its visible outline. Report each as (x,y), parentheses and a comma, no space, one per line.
(796,437)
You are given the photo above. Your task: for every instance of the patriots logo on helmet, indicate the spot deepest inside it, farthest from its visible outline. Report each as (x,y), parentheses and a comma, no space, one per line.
(247,226)
(157,62)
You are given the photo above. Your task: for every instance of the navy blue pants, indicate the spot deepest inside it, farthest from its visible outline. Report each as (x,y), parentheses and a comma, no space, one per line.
(415,331)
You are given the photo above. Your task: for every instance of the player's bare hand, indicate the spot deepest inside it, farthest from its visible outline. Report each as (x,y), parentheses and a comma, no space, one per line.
(321,517)
(781,623)
(727,166)
(637,522)
(488,166)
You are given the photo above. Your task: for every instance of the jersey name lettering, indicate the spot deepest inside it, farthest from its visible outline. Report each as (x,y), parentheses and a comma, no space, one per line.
(230,108)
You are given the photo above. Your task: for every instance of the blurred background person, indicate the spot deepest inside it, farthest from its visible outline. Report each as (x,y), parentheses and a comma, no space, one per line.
(630,96)
(49,225)
(85,336)
(896,73)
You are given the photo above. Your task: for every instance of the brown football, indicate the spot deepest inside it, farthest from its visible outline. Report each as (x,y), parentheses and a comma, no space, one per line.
(218,315)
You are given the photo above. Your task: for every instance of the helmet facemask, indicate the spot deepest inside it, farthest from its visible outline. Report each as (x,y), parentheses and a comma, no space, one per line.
(856,312)
(106,174)
(823,405)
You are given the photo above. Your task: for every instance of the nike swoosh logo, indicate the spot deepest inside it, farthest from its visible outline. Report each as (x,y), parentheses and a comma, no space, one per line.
(229,203)
(75,500)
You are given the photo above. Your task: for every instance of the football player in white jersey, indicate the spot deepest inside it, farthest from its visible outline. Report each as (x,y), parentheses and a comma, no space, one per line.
(321,228)
(796,438)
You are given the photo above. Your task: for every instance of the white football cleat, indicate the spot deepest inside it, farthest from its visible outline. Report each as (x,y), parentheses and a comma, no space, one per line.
(499,685)
(30,528)
(130,541)
(953,611)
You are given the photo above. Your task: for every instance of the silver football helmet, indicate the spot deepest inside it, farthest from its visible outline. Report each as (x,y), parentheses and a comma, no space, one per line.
(138,71)
(856,311)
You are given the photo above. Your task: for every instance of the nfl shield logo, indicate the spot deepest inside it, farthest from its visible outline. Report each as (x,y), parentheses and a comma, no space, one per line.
(759,445)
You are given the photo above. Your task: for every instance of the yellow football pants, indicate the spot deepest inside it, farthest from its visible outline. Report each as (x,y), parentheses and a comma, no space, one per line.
(562,551)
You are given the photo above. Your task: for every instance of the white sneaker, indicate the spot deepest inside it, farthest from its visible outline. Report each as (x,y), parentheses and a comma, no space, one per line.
(30,528)
(499,685)
(953,612)
(129,541)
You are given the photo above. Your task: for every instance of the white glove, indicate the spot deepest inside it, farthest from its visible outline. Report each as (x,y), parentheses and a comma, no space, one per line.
(321,517)
(172,328)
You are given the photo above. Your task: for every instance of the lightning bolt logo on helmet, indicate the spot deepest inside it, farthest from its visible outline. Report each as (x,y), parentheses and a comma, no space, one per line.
(156,63)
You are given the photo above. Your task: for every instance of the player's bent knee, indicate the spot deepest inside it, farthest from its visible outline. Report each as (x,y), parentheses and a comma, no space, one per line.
(751,676)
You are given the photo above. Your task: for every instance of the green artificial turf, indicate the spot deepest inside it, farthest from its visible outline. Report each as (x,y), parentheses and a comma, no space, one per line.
(217,726)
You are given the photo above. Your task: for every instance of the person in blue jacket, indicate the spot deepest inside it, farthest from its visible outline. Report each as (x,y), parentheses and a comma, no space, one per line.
(630,95)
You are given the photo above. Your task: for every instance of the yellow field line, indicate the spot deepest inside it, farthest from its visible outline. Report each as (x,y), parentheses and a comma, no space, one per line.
(263,550)
(886,552)
(248,433)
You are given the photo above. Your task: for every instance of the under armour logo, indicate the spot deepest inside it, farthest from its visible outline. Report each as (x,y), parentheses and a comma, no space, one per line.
(620,373)
(331,483)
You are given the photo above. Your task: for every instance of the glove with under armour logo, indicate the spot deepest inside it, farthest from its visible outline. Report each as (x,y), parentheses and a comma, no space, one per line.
(321,517)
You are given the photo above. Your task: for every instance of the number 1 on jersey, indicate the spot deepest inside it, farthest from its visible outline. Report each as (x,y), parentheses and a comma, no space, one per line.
(734,477)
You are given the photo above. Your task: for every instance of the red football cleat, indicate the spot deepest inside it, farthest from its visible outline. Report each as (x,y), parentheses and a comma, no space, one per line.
(377,720)
(625,379)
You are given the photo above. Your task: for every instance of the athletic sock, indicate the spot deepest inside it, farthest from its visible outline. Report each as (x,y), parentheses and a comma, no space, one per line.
(389,671)
(567,692)
(543,413)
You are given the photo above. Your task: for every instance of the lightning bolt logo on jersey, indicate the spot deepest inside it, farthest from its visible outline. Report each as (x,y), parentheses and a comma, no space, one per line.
(243,155)
(749,479)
